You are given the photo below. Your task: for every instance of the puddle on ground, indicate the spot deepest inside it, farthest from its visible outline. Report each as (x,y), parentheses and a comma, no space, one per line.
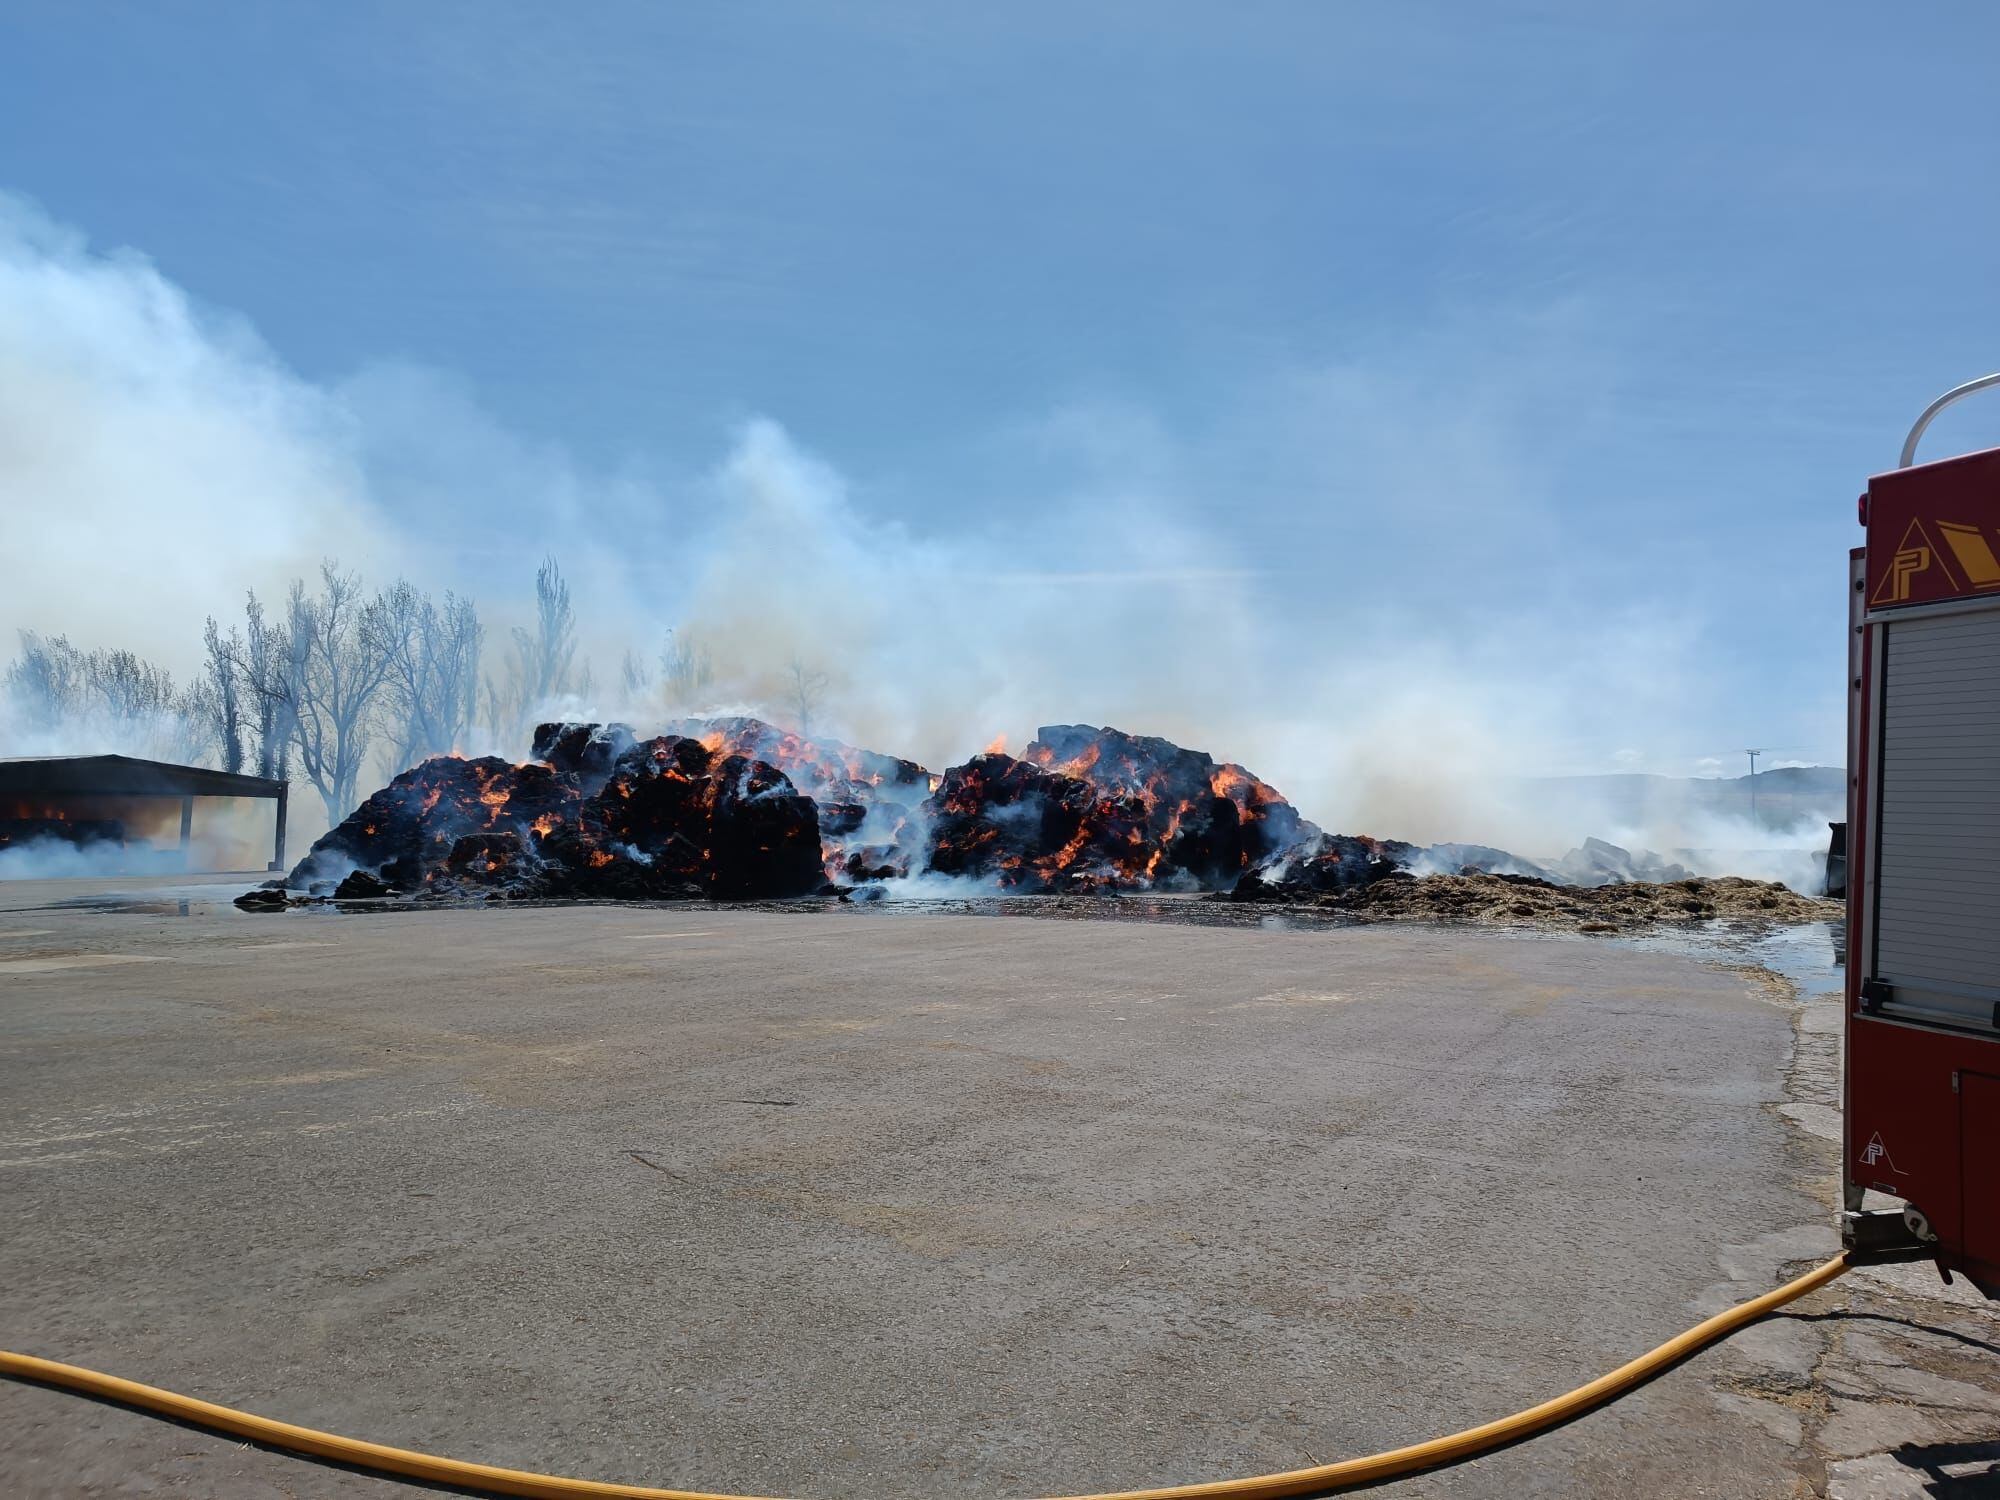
(140,906)
(205,901)
(150,901)
(1812,955)
(137,904)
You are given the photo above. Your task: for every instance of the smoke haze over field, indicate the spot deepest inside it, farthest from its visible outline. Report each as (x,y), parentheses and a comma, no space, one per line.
(1390,670)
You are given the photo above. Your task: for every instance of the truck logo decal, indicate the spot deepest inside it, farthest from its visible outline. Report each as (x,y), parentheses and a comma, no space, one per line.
(1967,551)
(1913,556)
(1875,1152)
(1974,553)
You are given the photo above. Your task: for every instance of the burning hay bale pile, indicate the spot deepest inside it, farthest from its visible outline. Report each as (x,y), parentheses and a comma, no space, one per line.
(738,809)
(1087,809)
(868,802)
(598,814)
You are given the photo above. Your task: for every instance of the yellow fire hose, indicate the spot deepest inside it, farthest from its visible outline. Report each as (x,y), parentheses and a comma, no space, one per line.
(1456,1448)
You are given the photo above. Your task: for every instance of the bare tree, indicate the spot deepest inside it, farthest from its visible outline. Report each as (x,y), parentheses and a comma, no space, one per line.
(632,674)
(677,679)
(499,717)
(45,682)
(127,687)
(106,700)
(432,658)
(186,733)
(539,668)
(265,666)
(542,656)
(335,674)
(805,689)
(686,669)
(222,700)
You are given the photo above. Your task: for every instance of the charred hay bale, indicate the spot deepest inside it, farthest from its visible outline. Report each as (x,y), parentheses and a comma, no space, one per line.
(1269,824)
(865,798)
(490,861)
(656,806)
(1002,819)
(1207,844)
(1207,822)
(764,836)
(665,754)
(666,817)
(361,886)
(384,834)
(838,819)
(1108,824)
(586,751)
(588,862)
(684,815)
(875,862)
(820,768)
(1329,865)
(409,827)
(1090,809)
(1254,887)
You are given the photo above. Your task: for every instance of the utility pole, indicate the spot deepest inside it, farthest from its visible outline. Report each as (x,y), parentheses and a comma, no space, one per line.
(1753,754)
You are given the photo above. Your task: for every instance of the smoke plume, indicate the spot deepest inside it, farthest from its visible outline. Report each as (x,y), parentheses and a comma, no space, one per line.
(160,460)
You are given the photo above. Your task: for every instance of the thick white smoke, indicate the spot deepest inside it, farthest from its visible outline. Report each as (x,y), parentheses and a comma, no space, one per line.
(226,834)
(158,460)
(932,644)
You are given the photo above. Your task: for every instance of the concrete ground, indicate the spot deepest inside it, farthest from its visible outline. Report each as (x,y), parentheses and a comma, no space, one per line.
(858,1203)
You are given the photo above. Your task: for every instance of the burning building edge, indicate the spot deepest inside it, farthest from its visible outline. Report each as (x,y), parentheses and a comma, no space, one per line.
(738,809)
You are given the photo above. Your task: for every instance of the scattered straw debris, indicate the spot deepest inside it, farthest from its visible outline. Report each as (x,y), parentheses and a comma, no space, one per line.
(1521,901)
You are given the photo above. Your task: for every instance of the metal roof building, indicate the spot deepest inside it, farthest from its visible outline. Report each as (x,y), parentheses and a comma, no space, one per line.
(98,799)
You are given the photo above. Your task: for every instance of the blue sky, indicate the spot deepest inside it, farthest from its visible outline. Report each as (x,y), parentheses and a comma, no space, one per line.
(1488,333)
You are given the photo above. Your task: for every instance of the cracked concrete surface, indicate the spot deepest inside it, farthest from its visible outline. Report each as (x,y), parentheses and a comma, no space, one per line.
(846,1204)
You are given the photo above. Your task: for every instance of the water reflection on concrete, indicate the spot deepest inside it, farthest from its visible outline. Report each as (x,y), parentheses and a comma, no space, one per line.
(1812,955)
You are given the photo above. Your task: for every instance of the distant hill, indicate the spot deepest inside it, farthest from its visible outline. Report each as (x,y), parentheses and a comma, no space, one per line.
(1784,797)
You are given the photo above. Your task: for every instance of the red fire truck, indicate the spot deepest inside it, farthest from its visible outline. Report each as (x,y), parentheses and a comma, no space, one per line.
(1923,889)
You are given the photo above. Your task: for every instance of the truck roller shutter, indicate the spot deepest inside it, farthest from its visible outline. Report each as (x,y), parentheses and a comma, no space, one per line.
(1937,887)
